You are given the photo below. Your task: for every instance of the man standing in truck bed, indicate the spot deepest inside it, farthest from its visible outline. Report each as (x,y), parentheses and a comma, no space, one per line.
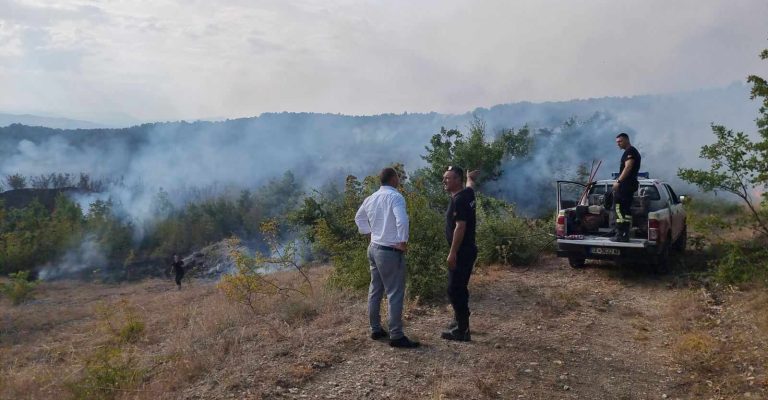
(625,187)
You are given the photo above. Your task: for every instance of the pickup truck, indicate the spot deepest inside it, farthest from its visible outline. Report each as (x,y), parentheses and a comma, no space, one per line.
(584,226)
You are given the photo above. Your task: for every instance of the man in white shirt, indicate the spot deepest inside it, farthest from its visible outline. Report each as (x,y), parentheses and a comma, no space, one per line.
(383,216)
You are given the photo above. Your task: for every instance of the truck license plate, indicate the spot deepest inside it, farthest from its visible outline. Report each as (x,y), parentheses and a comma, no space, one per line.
(605,251)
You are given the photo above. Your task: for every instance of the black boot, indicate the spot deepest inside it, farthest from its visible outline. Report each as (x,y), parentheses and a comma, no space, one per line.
(622,232)
(461,331)
(454,323)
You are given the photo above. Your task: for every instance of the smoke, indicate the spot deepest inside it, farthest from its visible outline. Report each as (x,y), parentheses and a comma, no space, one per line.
(181,158)
(529,182)
(88,256)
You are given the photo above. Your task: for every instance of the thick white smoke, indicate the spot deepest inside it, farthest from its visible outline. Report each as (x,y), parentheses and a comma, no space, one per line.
(245,153)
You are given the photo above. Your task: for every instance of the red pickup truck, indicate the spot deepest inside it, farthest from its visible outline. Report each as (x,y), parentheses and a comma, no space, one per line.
(584,226)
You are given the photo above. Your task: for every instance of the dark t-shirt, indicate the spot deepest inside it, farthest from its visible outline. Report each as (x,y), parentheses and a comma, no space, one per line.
(631,154)
(178,266)
(461,208)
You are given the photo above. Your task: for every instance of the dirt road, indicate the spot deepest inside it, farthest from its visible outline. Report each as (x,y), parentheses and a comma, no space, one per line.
(548,332)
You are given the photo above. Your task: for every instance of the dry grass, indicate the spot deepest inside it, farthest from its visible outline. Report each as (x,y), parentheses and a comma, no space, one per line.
(178,339)
(535,334)
(722,346)
(697,350)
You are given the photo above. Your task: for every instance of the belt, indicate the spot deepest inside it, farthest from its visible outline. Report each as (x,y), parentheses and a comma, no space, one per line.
(386,248)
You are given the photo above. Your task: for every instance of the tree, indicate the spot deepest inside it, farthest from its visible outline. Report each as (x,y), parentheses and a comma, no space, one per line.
(41,181)
(760,90)
(475,151)
(16,181)
(737,163)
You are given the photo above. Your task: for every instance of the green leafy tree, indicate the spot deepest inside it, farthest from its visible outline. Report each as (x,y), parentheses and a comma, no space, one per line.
(737,163)
(760,90)
(474,151)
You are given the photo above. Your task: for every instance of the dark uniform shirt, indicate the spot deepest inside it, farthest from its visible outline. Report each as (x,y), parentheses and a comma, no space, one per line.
(461,208)
(178,266)
(631,154)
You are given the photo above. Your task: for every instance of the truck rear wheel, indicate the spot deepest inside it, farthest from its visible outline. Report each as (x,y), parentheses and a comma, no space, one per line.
(661,266)
(682,241)
(576,262)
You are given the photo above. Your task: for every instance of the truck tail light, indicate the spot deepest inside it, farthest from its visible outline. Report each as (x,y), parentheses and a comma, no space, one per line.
(653,230)
(560,226)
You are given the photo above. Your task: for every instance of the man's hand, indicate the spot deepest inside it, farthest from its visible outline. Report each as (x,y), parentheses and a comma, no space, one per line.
(402,246)
(472,177)
(451,261)
(615,186)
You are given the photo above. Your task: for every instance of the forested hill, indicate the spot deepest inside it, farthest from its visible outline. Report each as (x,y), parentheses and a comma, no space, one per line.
(317,147)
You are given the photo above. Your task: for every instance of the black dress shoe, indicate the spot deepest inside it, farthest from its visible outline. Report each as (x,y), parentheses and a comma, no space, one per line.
(404,342)
(457,335)
(382,334)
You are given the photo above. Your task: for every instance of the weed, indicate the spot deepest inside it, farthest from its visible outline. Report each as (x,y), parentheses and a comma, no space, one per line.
(107,372)
(19,289)
(696,349)
(121,321)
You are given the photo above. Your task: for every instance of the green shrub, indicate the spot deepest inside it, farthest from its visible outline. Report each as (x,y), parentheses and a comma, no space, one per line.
(107,373)
(505,238)
(132,331)
(120,321)
(427,247)
(742,263)
(19,289)
(349,257)
(335,234)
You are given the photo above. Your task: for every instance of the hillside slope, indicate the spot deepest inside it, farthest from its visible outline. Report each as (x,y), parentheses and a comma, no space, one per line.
(540,333)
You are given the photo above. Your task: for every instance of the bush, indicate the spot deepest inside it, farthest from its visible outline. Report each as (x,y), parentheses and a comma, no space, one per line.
(107,373)
(335,233)
(121,322)
(19,289)
(427,247)
(349,257)
(742,263)
(505,238)
(252,277)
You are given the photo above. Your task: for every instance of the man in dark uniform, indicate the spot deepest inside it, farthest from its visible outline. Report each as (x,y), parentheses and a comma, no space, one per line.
(460,233)
(178,269)
(625,187)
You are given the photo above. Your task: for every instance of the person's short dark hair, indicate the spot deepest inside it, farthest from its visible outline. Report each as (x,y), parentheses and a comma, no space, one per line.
(622,135)
(387,175)
(457,170)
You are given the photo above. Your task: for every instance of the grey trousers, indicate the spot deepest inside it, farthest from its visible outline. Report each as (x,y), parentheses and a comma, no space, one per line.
(387,276)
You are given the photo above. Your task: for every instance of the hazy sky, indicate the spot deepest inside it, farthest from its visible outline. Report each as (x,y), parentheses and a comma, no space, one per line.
(116,60)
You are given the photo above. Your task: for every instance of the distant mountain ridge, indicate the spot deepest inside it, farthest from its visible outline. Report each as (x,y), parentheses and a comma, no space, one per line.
(48,122)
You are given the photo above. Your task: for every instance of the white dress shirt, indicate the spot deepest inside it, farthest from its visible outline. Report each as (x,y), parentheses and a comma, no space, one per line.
(383,216)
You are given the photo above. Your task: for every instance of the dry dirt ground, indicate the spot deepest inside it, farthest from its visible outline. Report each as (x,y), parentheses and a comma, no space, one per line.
(545,332)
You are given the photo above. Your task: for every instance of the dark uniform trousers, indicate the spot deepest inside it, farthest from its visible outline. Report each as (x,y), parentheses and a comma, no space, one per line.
(458,279)
(179,274)
(623,201)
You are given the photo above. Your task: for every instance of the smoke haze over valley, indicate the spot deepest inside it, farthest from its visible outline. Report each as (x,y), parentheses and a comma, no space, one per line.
(317,148)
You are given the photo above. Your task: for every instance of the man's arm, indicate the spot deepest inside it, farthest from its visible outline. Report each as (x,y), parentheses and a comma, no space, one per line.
(401,221)
(361,220)
(458,237)
(624,173)
(472,179)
